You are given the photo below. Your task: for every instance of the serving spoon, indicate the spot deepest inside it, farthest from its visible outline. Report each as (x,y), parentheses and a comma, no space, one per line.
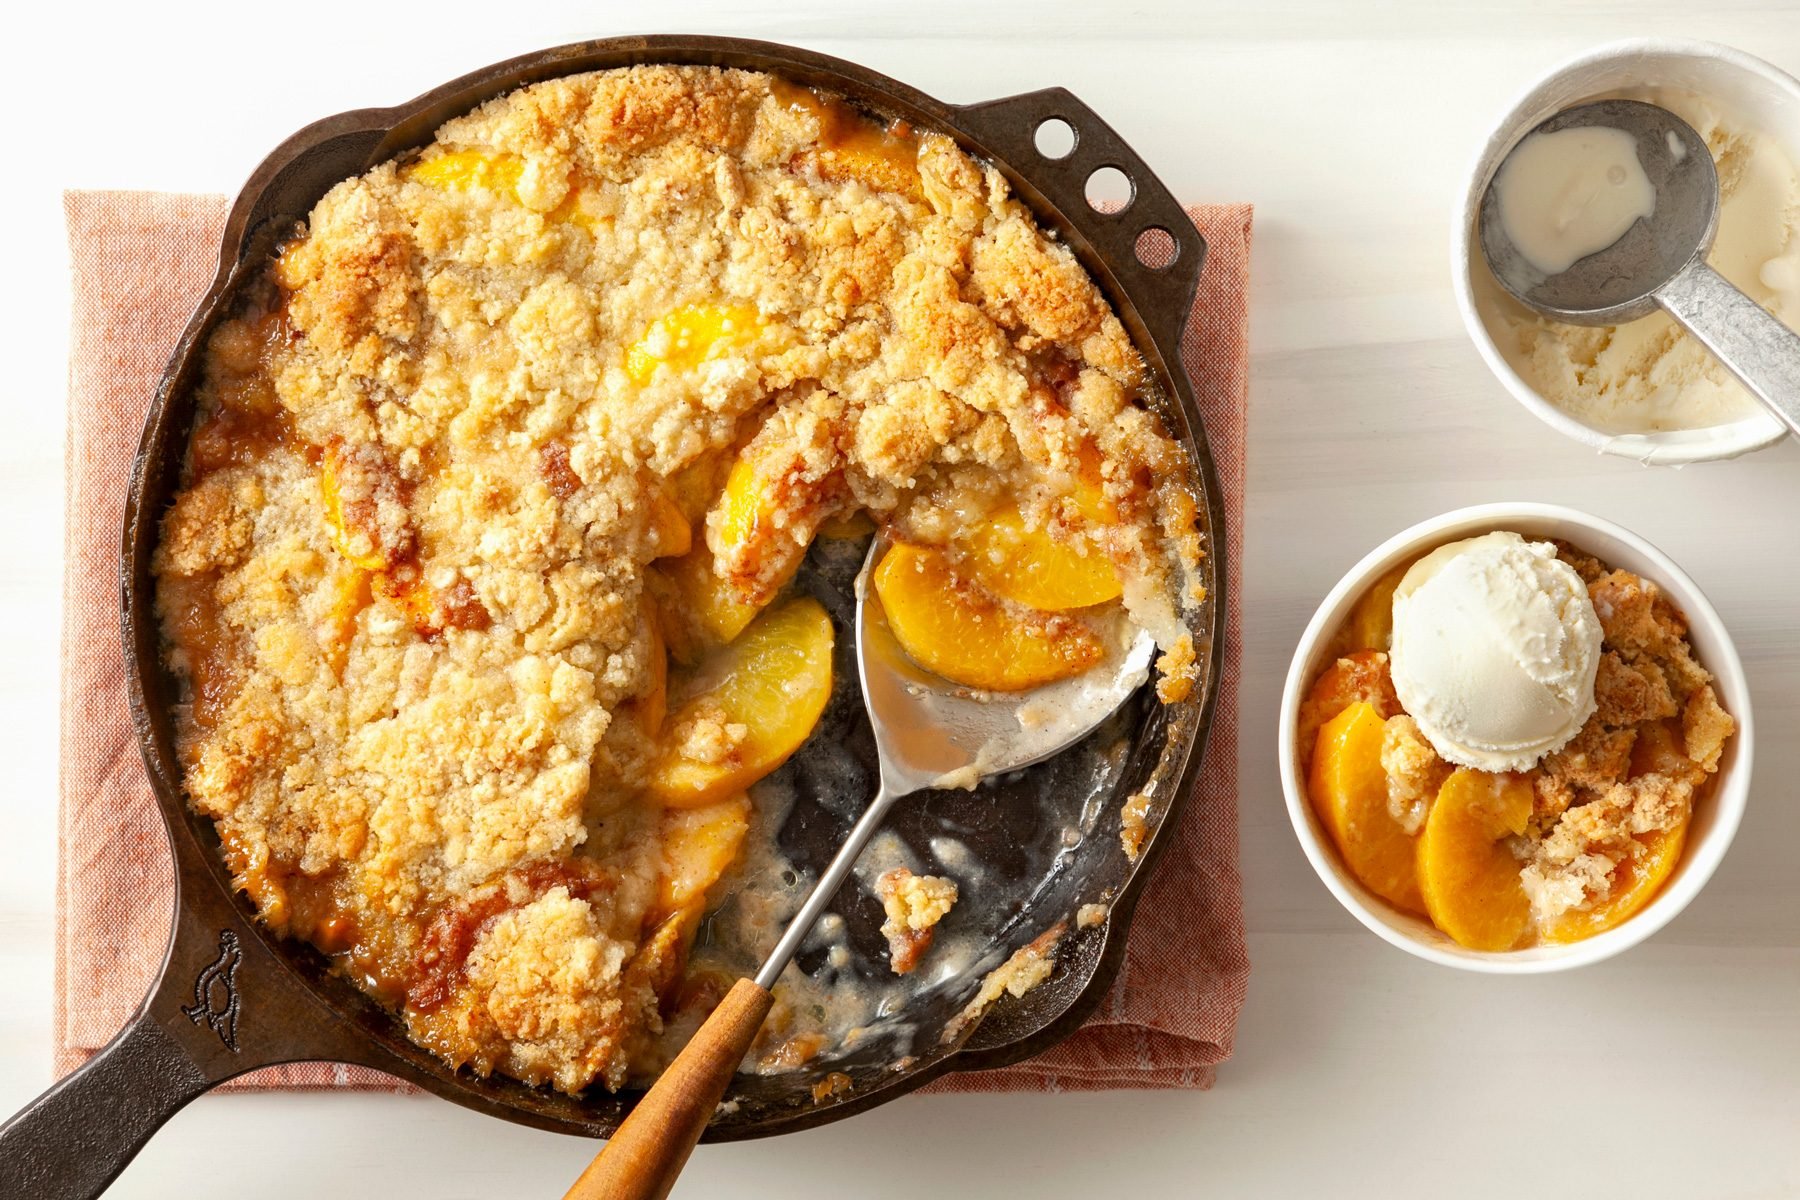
(1659,262)
(929,733)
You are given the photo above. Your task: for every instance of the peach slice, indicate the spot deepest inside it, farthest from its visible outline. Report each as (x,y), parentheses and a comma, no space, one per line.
(1635,883)
(356,545)
(851,527)
(1469,878)
(765,519)
(881,160)
(1089,498)
(661,959)
(578,208)
(460,170)
(1362,676)
(701,611)
(651,706)
(1029,566)
(350,593)
(747,708)
(699,845)
(688,336)
(695,486)
(1348,789)
(1372,620)
(965,635)
(1659,749)
(851,146)
(748,531)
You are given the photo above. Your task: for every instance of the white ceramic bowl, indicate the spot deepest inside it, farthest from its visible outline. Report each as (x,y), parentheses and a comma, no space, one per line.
(1715,819)
(1753,92)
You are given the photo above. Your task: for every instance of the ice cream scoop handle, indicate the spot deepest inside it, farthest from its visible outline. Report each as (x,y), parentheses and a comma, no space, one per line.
(1746,337)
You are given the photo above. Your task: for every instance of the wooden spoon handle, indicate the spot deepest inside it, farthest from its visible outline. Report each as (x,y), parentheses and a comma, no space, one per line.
(643,1159)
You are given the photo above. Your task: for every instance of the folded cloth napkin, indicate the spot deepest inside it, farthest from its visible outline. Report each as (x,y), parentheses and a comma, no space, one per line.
(140,261)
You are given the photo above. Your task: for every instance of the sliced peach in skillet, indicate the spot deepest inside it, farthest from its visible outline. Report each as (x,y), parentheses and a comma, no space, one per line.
(701,611)
(1030,566)
(460,170)
(747,707)
(773,503)
(699,845)
(968,637)
(651,706)
(350,593)
(1348,789)
(674,535)
(358,546)
(1469,878)
(688,336)
(695,486)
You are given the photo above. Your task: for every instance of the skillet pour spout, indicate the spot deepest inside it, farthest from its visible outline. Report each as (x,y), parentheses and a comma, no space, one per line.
(233,997)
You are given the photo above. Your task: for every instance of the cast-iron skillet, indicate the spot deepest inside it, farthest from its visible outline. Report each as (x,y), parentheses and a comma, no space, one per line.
(232,997)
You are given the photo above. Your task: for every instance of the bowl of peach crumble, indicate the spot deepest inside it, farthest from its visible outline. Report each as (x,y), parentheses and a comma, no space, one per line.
(489,559)
(1515,738)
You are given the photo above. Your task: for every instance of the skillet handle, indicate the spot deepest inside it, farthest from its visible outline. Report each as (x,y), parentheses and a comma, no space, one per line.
(223,1006)
(1162,294)
(72,1141)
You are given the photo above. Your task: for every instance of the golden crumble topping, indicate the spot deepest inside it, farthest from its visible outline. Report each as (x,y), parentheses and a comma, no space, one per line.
(1134,825)
(515,418)
(1028,966)
(914,904)
(1414,771)
(1636,766)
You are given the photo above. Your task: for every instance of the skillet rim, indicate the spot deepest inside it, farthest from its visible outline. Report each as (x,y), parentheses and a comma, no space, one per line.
(251,228)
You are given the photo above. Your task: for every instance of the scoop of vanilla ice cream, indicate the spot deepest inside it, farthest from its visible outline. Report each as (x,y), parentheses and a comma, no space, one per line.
(1495,649)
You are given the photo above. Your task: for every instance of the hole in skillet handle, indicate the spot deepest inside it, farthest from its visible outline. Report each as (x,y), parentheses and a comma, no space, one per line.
(1156,248)
(1109,190)
(1056,139)
(1126,202)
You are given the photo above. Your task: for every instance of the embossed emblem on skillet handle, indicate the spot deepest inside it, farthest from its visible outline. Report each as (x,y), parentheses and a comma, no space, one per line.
(1162,295)
(223,1006)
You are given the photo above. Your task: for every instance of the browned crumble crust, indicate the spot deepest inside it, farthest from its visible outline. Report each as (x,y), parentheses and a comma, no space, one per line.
(404,581)
(1029,966)
(1134,825)
(1414,771)
(914,905)
(1636,766)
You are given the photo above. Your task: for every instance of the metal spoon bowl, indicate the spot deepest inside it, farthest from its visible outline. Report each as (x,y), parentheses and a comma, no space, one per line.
(1659,262)
(932,733)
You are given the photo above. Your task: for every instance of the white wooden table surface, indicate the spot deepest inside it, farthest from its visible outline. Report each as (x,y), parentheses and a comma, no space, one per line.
(1674,1071)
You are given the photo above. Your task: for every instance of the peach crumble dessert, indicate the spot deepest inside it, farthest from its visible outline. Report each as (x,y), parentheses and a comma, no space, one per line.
(1510,740)
(481,583)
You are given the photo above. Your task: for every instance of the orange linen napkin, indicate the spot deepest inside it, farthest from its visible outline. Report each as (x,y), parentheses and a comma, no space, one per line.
(140,262)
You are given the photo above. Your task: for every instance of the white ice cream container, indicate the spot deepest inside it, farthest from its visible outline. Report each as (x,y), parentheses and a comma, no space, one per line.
(1758,95)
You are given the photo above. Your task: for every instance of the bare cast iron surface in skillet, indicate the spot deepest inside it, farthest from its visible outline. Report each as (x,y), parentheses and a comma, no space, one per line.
(233,998)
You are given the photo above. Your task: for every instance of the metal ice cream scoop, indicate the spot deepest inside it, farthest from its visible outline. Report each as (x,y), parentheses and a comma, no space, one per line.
(1658,262)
